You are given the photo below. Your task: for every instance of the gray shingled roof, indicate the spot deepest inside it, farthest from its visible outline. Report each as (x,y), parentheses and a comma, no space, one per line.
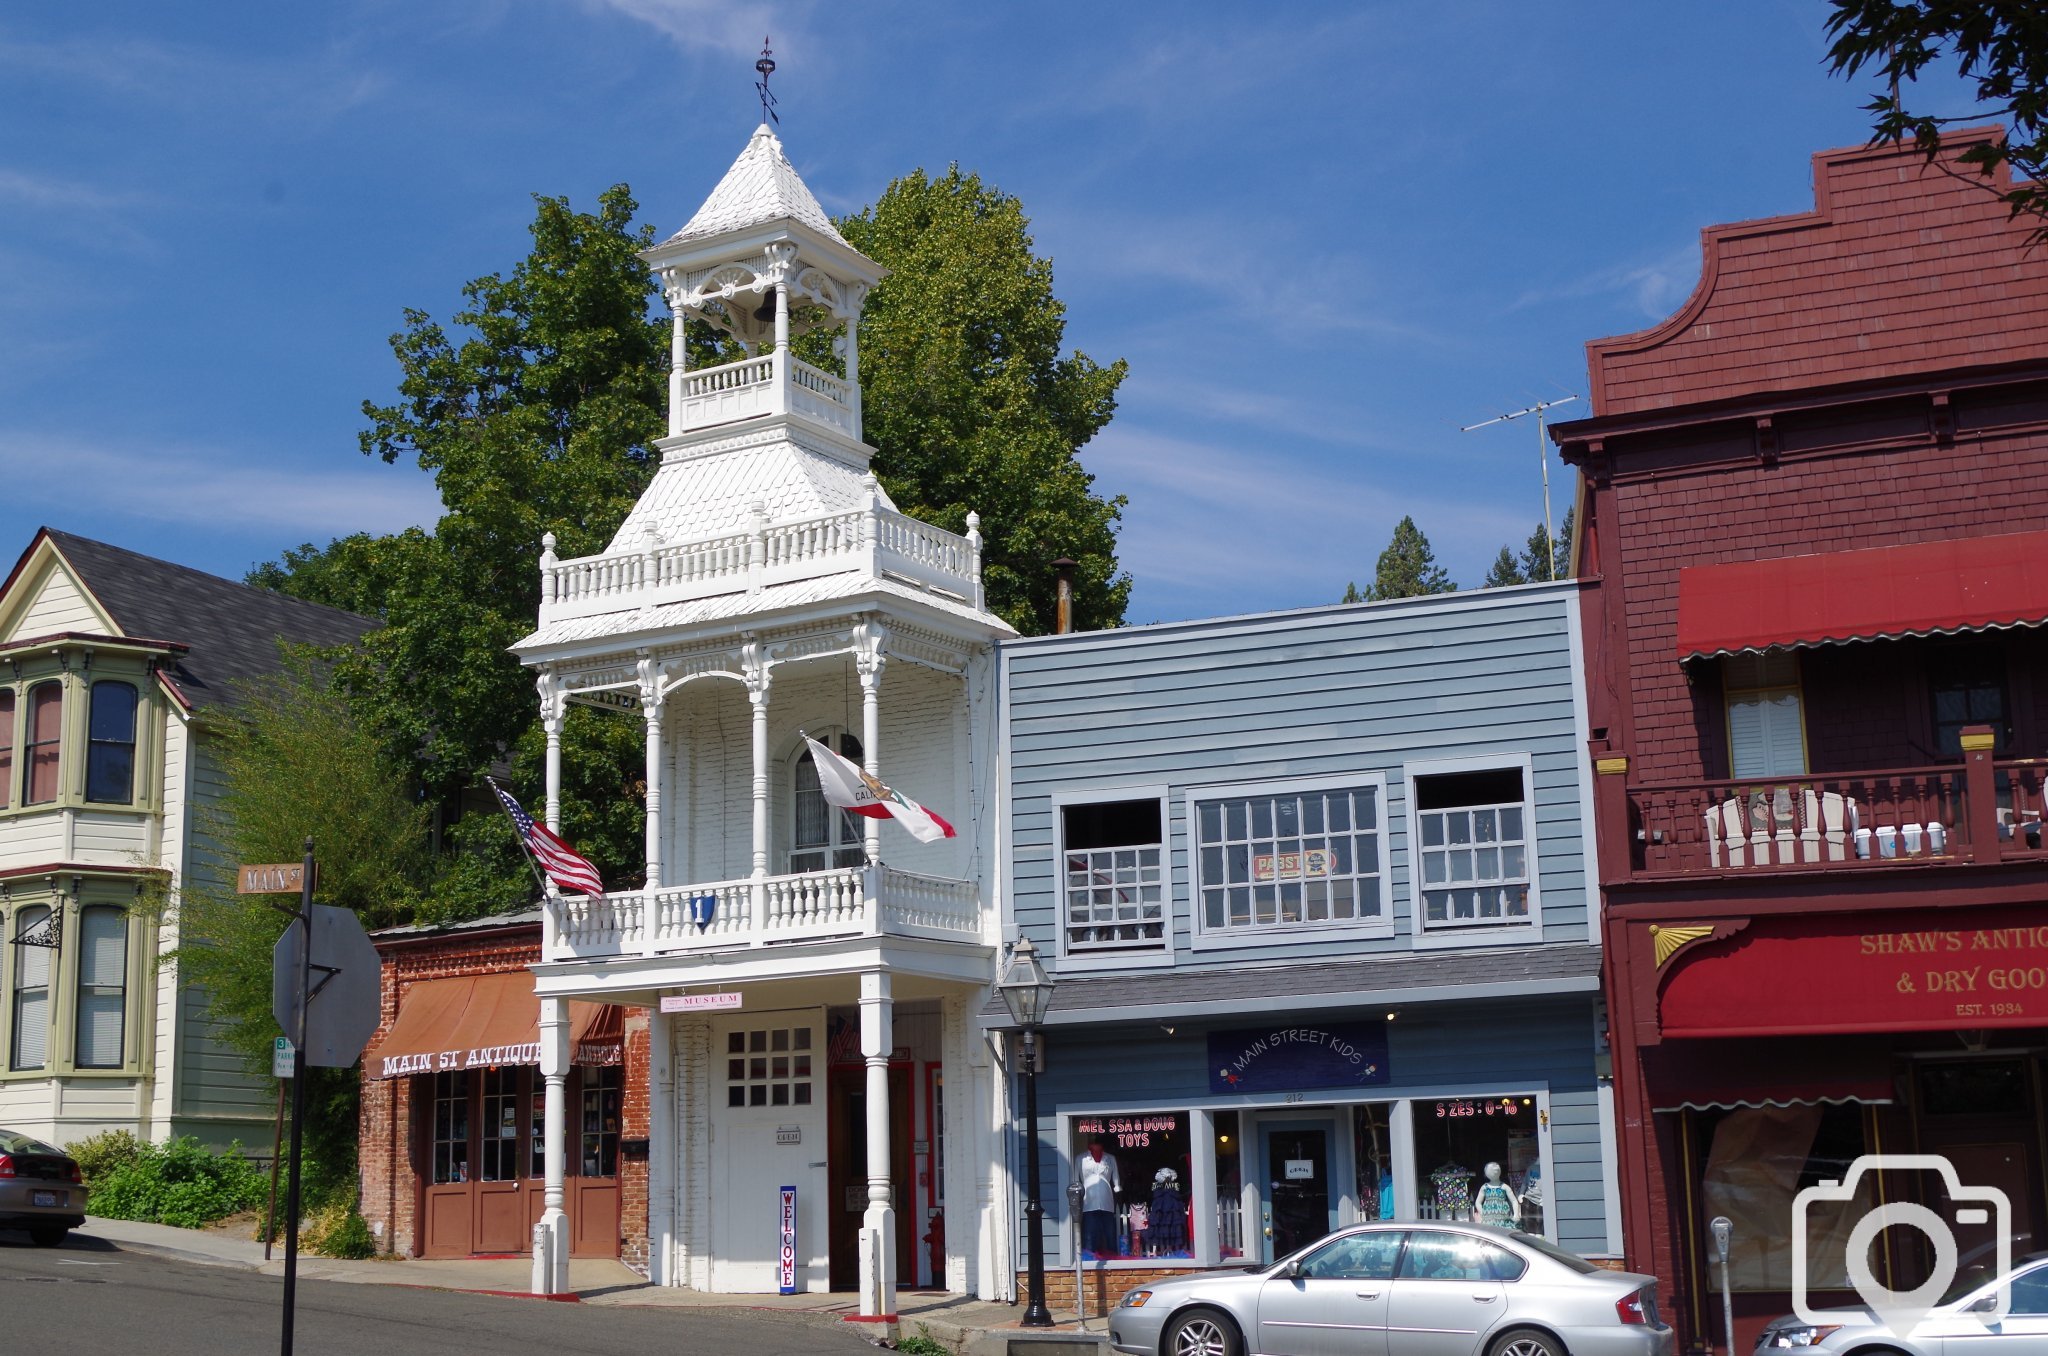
(232,629)
(1406,977)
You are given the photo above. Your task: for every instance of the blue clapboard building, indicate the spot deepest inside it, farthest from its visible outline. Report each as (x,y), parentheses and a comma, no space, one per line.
(1315,889)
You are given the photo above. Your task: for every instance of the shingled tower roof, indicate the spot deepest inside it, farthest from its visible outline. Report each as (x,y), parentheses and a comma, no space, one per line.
(762,186)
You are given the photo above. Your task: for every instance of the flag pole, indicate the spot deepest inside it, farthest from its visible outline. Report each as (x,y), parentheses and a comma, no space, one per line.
(524,851)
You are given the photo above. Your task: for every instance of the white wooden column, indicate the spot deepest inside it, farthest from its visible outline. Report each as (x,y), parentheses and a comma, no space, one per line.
(754,663)
(678,362)
(856,293)
(650,713)
(878,1225)
(663,1150)
(551,1235)
(869,636)
(553,707)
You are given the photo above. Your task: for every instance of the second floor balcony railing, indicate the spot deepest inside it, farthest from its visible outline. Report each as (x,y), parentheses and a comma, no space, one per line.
(1982,810)
(862,901)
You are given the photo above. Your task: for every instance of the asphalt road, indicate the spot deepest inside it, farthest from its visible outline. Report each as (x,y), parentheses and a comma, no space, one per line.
(88,1298)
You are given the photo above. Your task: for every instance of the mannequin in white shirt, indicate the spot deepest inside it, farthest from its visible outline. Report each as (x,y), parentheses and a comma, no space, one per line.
(1100,1186)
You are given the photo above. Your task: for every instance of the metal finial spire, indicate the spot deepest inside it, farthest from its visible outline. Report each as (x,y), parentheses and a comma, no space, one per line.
(766,66)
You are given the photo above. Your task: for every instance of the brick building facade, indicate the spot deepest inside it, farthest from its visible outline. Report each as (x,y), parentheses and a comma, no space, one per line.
(1810,515)
(450,1156)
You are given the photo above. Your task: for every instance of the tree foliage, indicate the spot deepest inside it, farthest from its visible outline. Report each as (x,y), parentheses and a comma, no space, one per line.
(1504,571)
(1999,45)
(1408,568)
(971,403)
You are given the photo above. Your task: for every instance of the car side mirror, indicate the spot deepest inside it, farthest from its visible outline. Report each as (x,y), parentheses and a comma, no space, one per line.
(1989,1304)
(1292,1271)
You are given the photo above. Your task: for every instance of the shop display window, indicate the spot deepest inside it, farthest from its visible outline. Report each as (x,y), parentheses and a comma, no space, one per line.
(1373,1153)
(1229,1187)
(1292,859)
(500,1148)
(451,1128)
(1136,1185)
(601,1099)
(1478,1159)
(1758,1159)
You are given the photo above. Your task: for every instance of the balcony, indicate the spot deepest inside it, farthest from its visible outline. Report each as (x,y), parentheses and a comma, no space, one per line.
(865,901)
(1981,811)
(774,383)
(872,541)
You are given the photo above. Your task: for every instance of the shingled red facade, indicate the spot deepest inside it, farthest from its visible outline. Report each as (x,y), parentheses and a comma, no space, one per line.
(1834,840)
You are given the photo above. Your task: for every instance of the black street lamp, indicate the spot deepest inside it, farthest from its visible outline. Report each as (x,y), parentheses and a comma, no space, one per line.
(1027,991)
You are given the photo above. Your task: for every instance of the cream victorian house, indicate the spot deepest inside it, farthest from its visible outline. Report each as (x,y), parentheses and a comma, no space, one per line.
(112,666)
(823,1107)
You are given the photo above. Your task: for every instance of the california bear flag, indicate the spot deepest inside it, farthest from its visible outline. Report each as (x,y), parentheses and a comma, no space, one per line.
(847,786)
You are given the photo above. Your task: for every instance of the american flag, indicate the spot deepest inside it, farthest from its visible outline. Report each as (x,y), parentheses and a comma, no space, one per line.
(569,869)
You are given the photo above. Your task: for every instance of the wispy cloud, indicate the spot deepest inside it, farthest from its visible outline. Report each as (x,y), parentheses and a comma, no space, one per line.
(207,487)
(180,75)
(725,27)
(1654,287)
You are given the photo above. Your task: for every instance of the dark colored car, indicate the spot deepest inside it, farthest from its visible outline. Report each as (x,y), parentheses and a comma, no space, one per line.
(40,1189)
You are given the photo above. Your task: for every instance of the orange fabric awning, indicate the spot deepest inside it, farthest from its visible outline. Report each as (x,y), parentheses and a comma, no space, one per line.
(1928,588)
(480,1021)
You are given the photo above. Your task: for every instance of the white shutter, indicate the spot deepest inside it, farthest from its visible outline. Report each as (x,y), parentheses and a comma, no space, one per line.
(1764,734)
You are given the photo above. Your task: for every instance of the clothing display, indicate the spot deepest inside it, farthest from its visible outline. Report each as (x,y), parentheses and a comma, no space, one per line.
(1495,1205)
(1098,1233)
(1100,1185)
(1451,1187)
(1168,1234)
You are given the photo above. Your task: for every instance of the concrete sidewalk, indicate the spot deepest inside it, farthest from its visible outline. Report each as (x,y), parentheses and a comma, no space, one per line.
(961,1323)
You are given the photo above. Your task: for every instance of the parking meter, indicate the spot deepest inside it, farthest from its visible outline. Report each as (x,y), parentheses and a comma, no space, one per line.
(1723,1230)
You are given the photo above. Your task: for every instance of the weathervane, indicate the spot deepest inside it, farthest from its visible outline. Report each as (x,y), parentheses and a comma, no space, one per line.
(766,66)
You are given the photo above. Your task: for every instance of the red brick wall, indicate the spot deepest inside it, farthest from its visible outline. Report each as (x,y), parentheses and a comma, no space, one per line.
(1901,267)
(392,1157)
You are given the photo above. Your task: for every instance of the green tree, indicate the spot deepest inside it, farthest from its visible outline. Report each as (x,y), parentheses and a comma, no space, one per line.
(1541,561)
(1351,593)
(296,761)
(1504,571)
(1999,45)
(1408,568)
(971,403)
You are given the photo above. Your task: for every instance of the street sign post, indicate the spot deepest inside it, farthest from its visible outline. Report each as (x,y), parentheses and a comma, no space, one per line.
(324,993)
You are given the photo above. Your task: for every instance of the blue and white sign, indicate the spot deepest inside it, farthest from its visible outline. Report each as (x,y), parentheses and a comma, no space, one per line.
(701,910)
(785,1261)
(1291,1058)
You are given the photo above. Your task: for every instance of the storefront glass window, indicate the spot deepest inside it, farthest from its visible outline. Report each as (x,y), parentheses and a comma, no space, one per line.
(1478,1159)
(1135,1184)
(451,1128)
(1229,1188)
(1373,1152)
(500,1161)
(1758,1160)
(601,1122)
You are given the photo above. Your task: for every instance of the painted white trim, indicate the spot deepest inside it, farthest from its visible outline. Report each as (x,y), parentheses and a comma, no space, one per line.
(1574,984)
(1582,770)
(1473,934)
(1286,934)
(1610,1164)
(1160,955)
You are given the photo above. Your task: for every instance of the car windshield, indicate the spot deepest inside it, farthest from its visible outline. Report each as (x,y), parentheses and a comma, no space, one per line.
(12,1143)
(1556,1254)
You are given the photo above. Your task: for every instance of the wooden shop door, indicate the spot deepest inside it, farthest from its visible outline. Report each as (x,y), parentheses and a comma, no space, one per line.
(847,1172)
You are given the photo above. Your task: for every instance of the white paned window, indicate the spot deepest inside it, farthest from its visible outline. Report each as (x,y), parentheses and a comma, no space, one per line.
(31,1015)
(102,986)
(823,838)
(1289,858)
(1766,728)
(768,1067)
(1472,847)
(1112,858)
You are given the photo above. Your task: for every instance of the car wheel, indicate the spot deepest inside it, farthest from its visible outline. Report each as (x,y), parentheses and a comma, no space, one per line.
(1202,1332)
(1526,1342)
(48,1235)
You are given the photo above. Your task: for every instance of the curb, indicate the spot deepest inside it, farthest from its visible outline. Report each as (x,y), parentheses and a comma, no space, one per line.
(205,1259)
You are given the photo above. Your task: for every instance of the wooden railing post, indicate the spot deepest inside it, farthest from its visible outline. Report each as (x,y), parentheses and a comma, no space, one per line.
(1980,795)
(1612,830)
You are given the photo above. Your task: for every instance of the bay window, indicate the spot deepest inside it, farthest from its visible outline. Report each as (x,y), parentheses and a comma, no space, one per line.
(45,743)
(102,986)
(6,748)
(29,1010)
(110,744)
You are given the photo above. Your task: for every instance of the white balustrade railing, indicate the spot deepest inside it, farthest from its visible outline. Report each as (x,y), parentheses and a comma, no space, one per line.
(852,902)
(833,388)
(729,376)
(853,539)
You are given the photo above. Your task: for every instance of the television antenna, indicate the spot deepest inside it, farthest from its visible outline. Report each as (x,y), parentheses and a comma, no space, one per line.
(1542,455)
(766,67)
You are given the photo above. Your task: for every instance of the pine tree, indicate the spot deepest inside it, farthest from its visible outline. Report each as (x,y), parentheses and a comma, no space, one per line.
(1408,568)
(1505,571)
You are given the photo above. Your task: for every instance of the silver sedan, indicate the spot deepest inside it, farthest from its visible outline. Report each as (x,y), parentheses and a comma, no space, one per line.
(40,1189)
(2003,1316)
(1401,1290)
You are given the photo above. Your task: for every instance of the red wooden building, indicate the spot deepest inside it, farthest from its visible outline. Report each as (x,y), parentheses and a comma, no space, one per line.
(452,1144)
(1814,545)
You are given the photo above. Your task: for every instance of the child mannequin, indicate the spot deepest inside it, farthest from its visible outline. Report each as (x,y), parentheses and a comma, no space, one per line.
(1495,1202)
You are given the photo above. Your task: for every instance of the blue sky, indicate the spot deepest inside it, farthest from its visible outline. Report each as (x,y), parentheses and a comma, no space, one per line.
(1324,236)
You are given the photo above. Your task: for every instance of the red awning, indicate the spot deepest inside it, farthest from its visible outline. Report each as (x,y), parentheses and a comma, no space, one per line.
(1722,1075)
(1931,588)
